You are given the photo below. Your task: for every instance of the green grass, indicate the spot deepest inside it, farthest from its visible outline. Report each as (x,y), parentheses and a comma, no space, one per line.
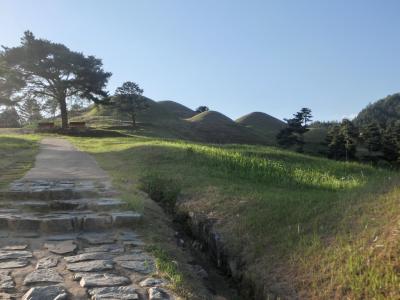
(17,154)
(301,218)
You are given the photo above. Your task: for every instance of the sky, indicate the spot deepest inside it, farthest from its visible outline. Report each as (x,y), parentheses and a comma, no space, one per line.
(233,56)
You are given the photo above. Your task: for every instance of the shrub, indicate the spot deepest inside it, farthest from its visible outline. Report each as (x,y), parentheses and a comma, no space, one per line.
(162,190)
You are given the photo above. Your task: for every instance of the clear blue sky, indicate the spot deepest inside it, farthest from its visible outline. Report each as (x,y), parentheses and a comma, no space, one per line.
(234,56)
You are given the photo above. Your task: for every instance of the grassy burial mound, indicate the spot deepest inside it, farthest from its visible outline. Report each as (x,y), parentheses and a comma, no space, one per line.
(214,127)
(177,109)
(263,124)
(297,226)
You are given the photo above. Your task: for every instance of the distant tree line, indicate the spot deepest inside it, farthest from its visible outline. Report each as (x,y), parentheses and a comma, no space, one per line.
(369,142)
(375,143)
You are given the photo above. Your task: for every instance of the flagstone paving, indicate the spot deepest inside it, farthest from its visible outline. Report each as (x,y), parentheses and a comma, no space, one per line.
(64,234)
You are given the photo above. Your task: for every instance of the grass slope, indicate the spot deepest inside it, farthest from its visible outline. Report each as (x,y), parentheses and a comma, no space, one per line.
(177,109)
(306,227)
(17,154)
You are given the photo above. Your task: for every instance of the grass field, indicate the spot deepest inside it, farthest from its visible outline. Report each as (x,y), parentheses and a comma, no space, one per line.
(305,225)
(17,154)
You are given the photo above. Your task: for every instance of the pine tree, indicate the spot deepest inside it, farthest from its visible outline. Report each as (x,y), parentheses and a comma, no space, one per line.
(292,135)
(30,110)
(372,137)
(342,141)
(391,142)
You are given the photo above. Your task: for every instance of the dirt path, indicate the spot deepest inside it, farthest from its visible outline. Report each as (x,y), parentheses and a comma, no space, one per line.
(59,159)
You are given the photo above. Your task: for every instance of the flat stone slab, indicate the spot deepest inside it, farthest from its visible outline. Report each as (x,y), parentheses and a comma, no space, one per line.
(61,248)
(12,264)
(128,236)
(52,292)
(88,280)
(156,293)
(6,281)
(15,247)
(43,276)
(120,292)
(62,237)
(89,256)
(5,255)
(111,248)
(5,296)
(97,238)
(144,267)
(135,256)
(91,266)
(125,219)
(153,282)
(47,262)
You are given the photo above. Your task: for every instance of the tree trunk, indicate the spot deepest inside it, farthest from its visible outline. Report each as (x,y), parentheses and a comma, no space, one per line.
(133,116)
(64,113)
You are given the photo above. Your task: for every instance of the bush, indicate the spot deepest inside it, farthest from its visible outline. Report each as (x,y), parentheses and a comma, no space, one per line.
(162,190)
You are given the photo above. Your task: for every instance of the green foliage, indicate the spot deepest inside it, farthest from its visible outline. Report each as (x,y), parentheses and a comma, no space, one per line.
(45,70)
(128,100)
(292,135)
(382,112)
(372,137)
(342,141)
(391,142)
(201,109)
(9,118)
(30,111)
(163,190)
(166,266)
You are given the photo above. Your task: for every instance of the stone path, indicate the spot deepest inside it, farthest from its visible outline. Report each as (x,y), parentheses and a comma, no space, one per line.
(64,234)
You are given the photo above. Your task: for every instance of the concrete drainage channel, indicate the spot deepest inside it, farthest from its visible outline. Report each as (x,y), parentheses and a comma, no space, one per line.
(72,240)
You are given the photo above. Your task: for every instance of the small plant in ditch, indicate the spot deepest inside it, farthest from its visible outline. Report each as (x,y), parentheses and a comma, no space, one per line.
(161,189)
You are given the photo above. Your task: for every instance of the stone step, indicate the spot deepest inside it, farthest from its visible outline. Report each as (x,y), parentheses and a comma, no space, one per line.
(98,204)
(67,222)
(62,194)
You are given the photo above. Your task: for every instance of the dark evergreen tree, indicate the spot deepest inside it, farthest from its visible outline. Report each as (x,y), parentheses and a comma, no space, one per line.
(9,118)
(336,143)
(342,141)
(45,70)
(391,142)
(372,137)
(350,134)
(128,100)
(30,111)
(201,109)
(292,135)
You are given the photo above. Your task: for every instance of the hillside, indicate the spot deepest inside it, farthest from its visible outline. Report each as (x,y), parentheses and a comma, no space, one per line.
(383,111)
(263,124)
(287,224)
